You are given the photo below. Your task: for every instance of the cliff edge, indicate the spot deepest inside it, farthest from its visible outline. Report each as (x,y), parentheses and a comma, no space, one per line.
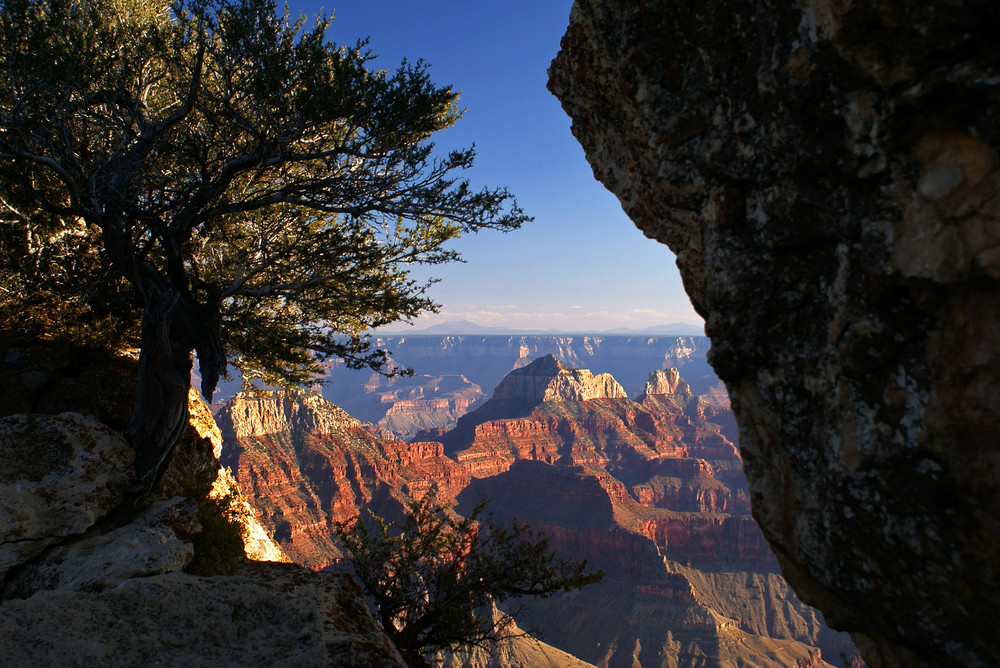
(187,578)
(826,173)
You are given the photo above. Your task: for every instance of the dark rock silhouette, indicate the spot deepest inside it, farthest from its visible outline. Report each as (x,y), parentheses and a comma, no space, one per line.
(827,175)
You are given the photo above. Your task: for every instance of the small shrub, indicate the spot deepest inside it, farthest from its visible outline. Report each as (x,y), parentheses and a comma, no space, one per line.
(219,548)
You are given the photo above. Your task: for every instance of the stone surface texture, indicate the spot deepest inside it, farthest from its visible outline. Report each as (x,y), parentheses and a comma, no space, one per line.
(264,615)
(826,173)
(58,475)
(86,580)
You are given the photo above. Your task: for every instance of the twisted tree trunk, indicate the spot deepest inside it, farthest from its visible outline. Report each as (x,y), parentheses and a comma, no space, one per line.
(174,327)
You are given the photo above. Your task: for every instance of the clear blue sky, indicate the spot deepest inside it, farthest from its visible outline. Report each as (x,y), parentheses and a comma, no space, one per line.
(581,264)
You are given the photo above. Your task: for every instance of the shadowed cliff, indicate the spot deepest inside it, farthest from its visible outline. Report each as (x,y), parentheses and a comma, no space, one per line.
(826,174)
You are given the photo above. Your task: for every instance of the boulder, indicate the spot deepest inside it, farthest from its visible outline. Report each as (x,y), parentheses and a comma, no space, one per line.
(87,581)
(58,475)
(827,175)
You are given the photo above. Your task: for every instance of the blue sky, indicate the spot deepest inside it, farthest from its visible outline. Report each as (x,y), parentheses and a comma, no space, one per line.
(581,265)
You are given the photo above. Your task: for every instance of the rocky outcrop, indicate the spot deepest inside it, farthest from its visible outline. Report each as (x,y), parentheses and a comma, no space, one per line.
(75,560)
(666,382)
(58,475)
(263,615)
(63,600)
(827,175)
(545,379)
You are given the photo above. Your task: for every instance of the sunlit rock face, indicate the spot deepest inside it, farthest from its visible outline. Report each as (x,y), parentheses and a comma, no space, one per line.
(827,175)
(305,465)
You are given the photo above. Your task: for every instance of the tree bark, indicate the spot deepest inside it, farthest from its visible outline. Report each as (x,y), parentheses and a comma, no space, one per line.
(173,328)
(160,415)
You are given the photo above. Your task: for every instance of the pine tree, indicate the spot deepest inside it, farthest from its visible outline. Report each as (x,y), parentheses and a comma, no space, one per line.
(218,179)
(435,580)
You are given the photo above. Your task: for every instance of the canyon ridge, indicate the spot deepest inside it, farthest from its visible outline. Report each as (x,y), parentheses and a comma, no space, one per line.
(651,490)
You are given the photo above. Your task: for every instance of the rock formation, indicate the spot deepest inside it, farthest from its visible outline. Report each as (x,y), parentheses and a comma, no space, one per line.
(453,370)
(547,412)
(545,379)
(74,562)
(520,651)
(827,175)
(265,614)
(679,589)
(652,491)
(307,465)
(426,403)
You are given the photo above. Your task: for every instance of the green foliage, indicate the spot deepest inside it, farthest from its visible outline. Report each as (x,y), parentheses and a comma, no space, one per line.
(434,580)
(219,547)
(225,172)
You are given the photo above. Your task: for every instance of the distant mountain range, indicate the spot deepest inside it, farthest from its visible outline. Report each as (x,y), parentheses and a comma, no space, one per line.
(461,327)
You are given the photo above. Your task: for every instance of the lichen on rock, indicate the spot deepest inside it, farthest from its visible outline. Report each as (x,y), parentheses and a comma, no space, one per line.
(60,474)
(75,562)
(827,175)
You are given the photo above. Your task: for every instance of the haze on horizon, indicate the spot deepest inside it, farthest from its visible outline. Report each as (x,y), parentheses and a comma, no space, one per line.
(581,266)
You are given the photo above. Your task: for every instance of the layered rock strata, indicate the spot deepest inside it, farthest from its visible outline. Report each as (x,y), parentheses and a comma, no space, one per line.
(643,489)
(710,598)
(307,465)
(827,175)
(456,369)
(431,403)
(547,412)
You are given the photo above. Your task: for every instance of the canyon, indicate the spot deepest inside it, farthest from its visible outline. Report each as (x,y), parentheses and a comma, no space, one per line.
(650,490)
(455,373)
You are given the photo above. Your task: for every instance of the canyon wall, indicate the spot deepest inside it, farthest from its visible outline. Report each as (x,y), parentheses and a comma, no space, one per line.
(712,598)
(307,465)
(643,489)
(826,173)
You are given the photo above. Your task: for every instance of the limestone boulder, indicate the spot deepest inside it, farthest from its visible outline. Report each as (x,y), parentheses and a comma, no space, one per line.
(151,544)
(58,475)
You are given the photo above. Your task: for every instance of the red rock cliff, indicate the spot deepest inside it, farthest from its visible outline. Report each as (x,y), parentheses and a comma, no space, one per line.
(306,465)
